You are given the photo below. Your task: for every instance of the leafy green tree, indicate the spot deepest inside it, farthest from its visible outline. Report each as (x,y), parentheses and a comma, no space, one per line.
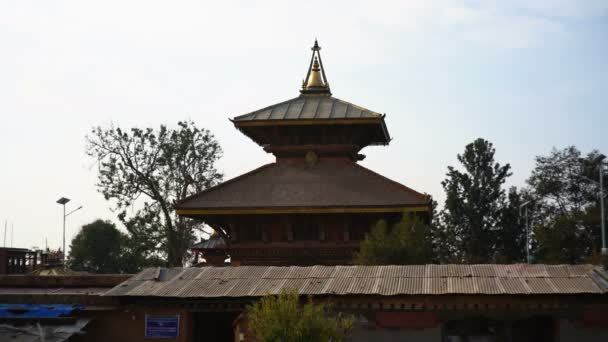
(474,205)
(511,232)
(565,214)
(406,242)
(283,318)
(151,169)
(98,248)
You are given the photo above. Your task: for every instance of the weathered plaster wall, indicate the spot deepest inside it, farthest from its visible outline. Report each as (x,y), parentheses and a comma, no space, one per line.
(128,326)
(361,334)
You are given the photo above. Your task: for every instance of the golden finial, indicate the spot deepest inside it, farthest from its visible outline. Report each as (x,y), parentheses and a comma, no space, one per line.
(315,81)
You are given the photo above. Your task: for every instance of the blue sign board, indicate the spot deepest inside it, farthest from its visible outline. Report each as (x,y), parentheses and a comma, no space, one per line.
(158,326)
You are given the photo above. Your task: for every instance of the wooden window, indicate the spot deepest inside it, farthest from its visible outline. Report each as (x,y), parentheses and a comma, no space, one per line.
(250,233)
(321,231)
(305,229)
(357,231)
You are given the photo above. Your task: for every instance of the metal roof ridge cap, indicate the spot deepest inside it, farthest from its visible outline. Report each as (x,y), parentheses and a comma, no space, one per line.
(332,110)
(397,183)
(301,109)
(317,109)
(358,107)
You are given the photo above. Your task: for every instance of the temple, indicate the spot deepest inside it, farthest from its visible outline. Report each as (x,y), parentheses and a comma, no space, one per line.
(315,203)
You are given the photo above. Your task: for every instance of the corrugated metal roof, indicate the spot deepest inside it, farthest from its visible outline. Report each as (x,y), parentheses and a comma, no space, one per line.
(306,107)
(253,281)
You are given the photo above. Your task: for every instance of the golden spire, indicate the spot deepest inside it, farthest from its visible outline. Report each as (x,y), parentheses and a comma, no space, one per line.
(315,81)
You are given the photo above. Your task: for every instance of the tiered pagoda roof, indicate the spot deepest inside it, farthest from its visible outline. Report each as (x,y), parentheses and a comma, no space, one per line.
(316,139)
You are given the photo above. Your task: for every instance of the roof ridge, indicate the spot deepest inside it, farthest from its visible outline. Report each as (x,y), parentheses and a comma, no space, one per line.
(244,117)
(358,107)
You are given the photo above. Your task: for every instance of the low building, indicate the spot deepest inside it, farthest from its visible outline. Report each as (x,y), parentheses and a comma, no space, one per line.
(213,250)
(56,308)
(19,260)
(416,302)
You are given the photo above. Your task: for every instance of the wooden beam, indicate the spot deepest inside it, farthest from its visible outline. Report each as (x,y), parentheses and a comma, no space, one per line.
(335,210)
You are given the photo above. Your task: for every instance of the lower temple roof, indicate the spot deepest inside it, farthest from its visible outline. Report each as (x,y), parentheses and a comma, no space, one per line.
(323,185)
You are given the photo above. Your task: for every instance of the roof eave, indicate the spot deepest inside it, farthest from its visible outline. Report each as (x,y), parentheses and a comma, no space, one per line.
(310,122)
(302,210)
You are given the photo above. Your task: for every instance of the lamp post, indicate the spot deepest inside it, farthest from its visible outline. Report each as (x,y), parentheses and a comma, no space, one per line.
(63,201)
(525,207)
(600,163)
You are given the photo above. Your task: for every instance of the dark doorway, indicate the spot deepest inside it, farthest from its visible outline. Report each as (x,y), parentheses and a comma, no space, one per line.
(534,329)
(474,329)
(214,326)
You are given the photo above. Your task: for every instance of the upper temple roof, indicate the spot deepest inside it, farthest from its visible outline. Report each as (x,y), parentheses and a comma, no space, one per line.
(310,107)
(314,116)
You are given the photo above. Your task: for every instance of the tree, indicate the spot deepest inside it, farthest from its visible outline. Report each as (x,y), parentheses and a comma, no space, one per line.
(156,167)
(406,242)
(283,318)
(511,235)
(566,209)
(474,204)
(98,248)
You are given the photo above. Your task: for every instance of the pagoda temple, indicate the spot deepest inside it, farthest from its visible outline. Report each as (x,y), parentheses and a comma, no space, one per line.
(315,203)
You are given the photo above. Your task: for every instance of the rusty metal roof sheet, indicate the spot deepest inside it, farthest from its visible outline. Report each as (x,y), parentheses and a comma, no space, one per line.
(391,280)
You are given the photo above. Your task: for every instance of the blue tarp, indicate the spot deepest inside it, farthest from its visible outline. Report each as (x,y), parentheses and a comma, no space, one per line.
(38,310)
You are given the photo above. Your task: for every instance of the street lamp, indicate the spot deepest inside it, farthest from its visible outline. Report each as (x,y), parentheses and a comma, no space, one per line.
(600,163)
(525,207)
(63,201)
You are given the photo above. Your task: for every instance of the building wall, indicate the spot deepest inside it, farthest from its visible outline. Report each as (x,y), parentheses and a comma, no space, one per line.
(276,243)
(570,331)
(128,325)
(362,334)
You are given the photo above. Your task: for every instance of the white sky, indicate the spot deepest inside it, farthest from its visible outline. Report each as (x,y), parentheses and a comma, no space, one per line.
(527,75)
